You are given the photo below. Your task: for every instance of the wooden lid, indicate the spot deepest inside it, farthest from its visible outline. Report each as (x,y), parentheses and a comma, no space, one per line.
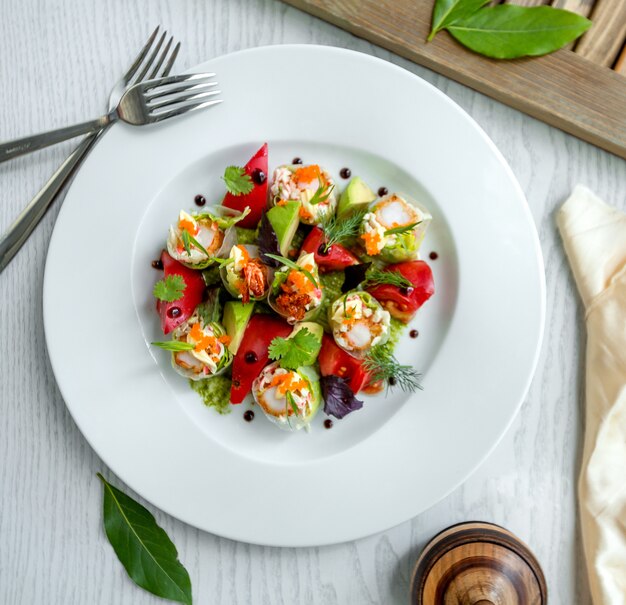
(477,564)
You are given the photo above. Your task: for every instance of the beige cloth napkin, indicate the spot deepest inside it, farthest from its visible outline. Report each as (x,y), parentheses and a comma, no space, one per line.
(594,235)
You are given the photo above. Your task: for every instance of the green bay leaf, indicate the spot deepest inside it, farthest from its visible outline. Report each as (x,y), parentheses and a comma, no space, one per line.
(508,31)
(447,12)
(143,548)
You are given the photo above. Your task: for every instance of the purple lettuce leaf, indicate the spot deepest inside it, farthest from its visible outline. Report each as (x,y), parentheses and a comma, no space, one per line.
(268,242)
(339,400)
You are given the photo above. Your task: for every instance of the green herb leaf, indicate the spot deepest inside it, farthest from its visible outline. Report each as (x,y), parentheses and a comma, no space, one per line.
(294,266)
(189,240)
(402,229)
(321,194)
(292,403)
(169,289)
(383,365)
(210,311)
(295,351)
(338,230)
(508,31)
(237,181)
(447,12)
(173,345)
(143,548)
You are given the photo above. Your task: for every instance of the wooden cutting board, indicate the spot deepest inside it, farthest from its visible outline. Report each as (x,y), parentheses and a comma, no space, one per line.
(579,90)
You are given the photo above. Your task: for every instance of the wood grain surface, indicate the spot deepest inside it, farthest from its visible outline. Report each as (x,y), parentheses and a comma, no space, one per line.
(58,60)
(582,7)
(603,42)
(561,89)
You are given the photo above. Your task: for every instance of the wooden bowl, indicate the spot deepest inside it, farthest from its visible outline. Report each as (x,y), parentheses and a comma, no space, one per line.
(477,564)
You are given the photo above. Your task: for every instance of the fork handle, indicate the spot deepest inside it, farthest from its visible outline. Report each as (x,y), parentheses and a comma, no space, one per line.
(18,232)
(18,147)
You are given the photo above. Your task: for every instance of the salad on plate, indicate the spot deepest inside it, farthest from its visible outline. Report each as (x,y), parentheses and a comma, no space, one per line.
(292,292)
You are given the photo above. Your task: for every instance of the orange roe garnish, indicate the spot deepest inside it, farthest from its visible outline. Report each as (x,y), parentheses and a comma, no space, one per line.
(188,226)
(287,382)
(202,340)
(304,213)
(306,174)
(224,339)
(300,281)
(372,239)
(281,202)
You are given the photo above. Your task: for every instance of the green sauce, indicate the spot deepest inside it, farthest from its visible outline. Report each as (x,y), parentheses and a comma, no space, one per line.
(246,236)
(396,329)
(215,392)
(331,285)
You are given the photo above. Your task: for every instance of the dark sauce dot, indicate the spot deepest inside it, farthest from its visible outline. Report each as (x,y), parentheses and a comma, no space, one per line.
(251,357)
(200,200)
(236,383)
(173,312)
(407,291)
(296,160)
(322,251)
(392,381)
(328,423)
(248,415)
(345,173)
(258,176)
(414,333)
(382,191)
(157,264)
(433,256)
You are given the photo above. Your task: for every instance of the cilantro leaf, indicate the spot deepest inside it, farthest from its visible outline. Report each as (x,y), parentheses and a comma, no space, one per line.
(169,289)
(237,181)
(296,351)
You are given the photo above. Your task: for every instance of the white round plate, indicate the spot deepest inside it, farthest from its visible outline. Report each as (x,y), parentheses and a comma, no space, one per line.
(479,335)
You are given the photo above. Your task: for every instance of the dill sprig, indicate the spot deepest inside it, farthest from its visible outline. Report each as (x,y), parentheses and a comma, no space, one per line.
(383,365)
(376,277)
(338,230)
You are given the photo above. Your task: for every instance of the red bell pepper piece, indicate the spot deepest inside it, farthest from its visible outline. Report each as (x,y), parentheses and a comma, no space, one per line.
(334,361)
(252,355)
(403,303)
(256,200)
(336,258)
(192,296)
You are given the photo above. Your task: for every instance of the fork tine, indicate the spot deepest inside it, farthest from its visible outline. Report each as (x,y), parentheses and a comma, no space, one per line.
(183,98)
(150,61)
(182,88)
(170,63)
(141,56)
(181,110)
(151,85)
(157,67)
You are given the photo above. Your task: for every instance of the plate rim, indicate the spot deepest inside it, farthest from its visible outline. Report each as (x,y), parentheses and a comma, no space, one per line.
(538,257)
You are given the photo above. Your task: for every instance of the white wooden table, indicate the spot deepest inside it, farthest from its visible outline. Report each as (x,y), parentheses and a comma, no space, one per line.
(58,60)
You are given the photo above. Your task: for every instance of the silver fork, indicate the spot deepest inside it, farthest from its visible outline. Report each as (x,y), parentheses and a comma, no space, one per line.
(142,103)
(18,232)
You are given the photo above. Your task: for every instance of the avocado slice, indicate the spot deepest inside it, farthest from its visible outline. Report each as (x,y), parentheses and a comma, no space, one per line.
(236,318)
(317,330)
(285,220)
(313,378)
(356,196)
